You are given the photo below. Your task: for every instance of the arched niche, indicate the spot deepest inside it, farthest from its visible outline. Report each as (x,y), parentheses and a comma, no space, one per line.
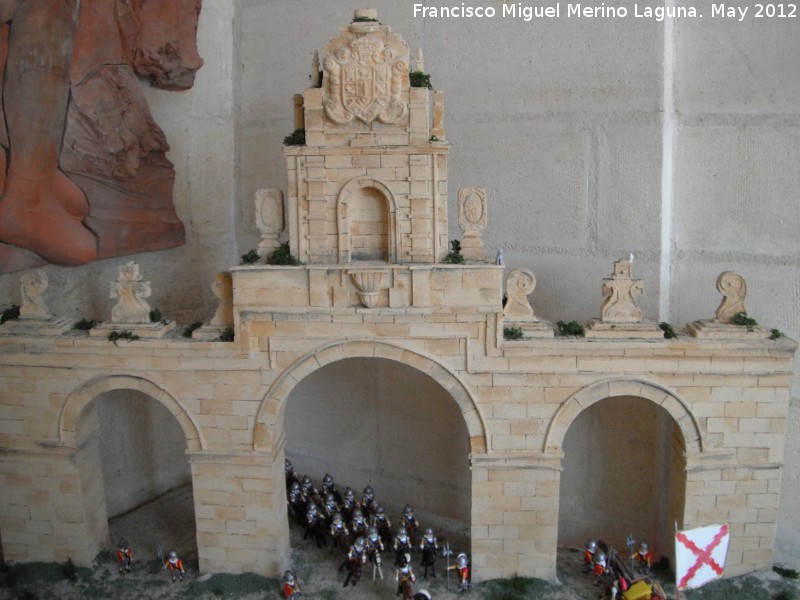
(366,214)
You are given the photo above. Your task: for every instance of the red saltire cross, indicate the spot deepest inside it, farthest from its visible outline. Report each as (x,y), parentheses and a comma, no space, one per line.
(703,556)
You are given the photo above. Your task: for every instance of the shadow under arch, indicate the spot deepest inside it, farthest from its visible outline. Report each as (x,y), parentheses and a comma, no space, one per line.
(82,396)
(641,388)
(343,216)
(273,407)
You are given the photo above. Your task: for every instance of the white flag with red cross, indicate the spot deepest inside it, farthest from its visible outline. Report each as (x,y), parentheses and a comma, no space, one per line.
(700,555)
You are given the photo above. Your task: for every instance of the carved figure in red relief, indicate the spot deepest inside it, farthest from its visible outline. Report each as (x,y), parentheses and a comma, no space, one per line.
(40,208)
(113,153)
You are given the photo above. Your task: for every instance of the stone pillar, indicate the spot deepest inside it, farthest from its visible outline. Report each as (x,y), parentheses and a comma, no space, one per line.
(514,517)
(50,510)
(240,507)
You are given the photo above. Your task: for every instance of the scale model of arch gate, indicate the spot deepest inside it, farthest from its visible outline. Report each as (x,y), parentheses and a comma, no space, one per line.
(727,397)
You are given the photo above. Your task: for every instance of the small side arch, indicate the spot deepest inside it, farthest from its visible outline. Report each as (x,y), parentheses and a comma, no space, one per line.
(80,398)
(609,388)
(266,437)
(343,216)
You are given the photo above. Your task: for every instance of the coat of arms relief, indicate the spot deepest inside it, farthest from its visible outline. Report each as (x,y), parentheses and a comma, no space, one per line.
(364,81)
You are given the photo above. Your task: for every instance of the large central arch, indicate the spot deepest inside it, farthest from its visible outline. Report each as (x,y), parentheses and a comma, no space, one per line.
(268,433)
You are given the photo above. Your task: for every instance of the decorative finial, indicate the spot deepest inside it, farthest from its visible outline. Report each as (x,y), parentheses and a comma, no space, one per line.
(315,81)
(420,61)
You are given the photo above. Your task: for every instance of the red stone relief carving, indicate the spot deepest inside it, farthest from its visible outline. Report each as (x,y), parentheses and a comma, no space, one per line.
(85,169)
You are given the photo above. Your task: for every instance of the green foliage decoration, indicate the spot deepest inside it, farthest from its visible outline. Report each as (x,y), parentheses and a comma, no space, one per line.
(251,257)
(743,320)
(571,328)
(189,329)
(9,314)
(454,257)
(512,333)
(418,79)
(296,138)
(669,331)
(115,336)
(85,324)
(283,256)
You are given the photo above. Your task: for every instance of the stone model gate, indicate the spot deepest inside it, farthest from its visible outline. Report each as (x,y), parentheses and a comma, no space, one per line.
(725,388)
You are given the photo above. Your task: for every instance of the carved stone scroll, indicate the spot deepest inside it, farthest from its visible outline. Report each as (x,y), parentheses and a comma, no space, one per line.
(733,288)
(519,284)
(223,289)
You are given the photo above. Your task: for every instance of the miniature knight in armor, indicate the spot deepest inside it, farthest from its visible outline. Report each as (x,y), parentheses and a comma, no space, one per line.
(375,549)
(291,476)
(356,558)
(462,566)
(314,525)
(643,557)
(348,504)
(405,578)
(410,522)
(402,546)
(588,555)
(308,490)
(358,526)
(291,587)
(429,547)
(330,507)
(599,567)
(368,503)
(175,566)
(339,533)
(124,556)
(383,525)
(329,488)
(295,502)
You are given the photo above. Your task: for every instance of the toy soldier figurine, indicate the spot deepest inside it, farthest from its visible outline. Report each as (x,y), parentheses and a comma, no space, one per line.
(375,548)
(599,567)
(308,490)
(402,546)
(329,488)
(339,533)
(429,547)
(588,555)
(357,558)
(348,504)
(291,587)
(175,566)
(383,525)
(315,525)
(291,476)
(405,578)
(295,502)
(368,503)
(644,558)
(409,521)
(358,527)
(329,508)
(124,556)
(462,566)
